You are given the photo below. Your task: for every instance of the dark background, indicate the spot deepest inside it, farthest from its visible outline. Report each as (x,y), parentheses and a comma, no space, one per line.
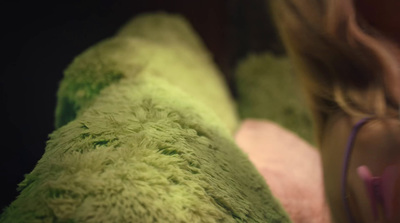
(39,39)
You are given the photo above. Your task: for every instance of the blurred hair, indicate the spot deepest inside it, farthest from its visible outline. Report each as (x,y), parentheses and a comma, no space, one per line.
(343,63)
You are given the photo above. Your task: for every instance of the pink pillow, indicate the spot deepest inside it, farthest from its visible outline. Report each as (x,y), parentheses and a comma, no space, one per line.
(291,167)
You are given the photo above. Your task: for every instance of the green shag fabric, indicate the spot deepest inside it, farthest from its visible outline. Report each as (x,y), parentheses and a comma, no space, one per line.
(158,45)
(268,89)
(145,135)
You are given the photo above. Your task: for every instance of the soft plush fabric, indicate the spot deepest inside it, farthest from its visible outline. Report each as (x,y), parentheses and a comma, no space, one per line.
(291,167)
(276,132)
(268,89)
(157,45)
(144,134)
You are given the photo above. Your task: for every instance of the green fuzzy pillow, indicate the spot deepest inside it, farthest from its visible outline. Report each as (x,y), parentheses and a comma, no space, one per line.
(144,134)
(160,45)
(268,89)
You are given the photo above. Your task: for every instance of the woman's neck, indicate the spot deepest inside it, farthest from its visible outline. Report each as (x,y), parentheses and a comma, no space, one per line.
(376,146)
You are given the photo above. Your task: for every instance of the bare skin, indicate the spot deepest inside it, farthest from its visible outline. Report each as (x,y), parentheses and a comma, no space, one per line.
(293,169)
(377,146)
(378,142)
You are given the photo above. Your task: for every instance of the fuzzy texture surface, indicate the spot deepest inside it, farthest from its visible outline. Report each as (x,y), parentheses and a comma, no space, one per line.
(277,135)
(291,167)
(159,45)
(268,89)
(144,142)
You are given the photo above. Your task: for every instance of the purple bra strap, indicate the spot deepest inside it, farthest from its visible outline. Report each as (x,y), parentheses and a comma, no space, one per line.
(346,161)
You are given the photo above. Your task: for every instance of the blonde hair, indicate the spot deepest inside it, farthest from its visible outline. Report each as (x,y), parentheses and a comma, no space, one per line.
(343,63)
